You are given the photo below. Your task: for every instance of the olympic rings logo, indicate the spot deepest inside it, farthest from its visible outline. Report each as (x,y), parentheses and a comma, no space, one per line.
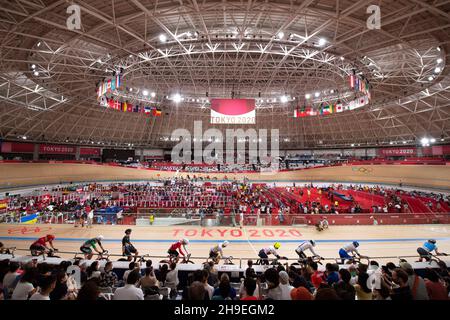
(362,170)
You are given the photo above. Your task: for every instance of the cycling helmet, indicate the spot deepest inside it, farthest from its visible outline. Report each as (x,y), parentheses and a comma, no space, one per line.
(224,244)
(312,242)
(128,231)
(277,245)
(185,241)
(100,238)
(432,241)
(356,244)
(50,237)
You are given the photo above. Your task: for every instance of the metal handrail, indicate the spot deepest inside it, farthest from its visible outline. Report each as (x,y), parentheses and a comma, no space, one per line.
(241,259)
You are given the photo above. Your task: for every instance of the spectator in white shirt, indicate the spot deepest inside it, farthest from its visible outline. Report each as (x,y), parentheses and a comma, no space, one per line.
(130,291)
(286,288)
(25,288)
(47,284)
(9,280)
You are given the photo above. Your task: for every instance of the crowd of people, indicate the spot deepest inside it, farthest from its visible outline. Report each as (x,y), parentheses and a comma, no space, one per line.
(31,281)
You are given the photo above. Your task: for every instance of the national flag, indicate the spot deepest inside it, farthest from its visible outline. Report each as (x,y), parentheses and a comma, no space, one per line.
(124,106)
(108,85)
(3,204)
(157,112)
(352,79)
(118,81)
(30,219)
(113,84)
(339,107)
(147,110)
(300,113)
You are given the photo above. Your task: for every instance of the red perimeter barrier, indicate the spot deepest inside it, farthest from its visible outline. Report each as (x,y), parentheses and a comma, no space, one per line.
(384,218)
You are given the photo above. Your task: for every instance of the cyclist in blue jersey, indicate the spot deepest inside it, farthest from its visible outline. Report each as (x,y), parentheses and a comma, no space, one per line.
(427,249)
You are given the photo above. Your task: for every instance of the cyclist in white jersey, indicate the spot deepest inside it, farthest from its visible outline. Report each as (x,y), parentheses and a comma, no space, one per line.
(349,248)
(306,245)
(265,252)
(216,252)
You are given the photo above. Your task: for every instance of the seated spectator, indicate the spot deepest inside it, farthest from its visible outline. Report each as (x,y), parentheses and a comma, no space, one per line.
(171,280)
(362,291)
(225,291)
(60,292)
(25,288)
(443,271)
(402,290)
(274,291)
(45,288)
(381,293)
(249,289)
(130,291)
(208,287)
(249,273)
(331,273)
(196,292)
(285,286)
(11,278)
(108,278)
(89,292)
(436,290)
(301,293)
(354,275)
(131,268)
(93,271)
(415,283)
(213,278)
(326,294)
(318,276)
(343,288)
(149,280)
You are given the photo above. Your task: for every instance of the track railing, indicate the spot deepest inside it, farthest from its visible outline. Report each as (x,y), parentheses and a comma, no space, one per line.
(241,260)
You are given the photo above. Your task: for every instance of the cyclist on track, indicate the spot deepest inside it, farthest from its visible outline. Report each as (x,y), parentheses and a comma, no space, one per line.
(216,252)
(127,248)
(306,245)
(426,250)
(349,248)
(265,252)
(173,253)
(91,243)
(39,246)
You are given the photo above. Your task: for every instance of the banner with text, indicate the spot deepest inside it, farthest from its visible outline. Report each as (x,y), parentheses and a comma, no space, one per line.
(233,111)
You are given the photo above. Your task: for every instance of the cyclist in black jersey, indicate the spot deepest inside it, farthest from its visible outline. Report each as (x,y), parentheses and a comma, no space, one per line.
(127,248)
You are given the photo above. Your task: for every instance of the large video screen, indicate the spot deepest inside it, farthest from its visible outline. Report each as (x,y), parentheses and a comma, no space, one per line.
(233,111)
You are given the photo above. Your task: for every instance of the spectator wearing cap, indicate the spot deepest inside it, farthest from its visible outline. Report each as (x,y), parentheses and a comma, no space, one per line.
(285,286)
(343,288)
(415,283)
(436,290)
(301,293)
(130,291)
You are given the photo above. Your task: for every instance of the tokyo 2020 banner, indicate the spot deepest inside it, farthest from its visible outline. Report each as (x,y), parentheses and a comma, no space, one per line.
(233,111)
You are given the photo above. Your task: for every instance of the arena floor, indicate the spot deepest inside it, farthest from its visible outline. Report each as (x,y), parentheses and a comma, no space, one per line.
(375,241)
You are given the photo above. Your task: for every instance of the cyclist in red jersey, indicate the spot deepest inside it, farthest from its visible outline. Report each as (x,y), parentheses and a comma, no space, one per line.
(39,246)
(177,246)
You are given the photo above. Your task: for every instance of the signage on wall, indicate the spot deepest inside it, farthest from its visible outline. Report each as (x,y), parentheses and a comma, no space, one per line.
(233,111)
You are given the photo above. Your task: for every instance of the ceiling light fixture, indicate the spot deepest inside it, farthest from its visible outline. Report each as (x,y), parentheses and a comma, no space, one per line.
(162,38)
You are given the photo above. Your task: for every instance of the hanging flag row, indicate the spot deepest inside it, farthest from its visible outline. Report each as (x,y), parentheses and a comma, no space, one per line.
(109,86)
(360,84)
(128,107)
(324,109)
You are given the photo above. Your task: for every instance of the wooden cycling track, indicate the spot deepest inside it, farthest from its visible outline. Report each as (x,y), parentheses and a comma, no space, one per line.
(29,174)
(375,241)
